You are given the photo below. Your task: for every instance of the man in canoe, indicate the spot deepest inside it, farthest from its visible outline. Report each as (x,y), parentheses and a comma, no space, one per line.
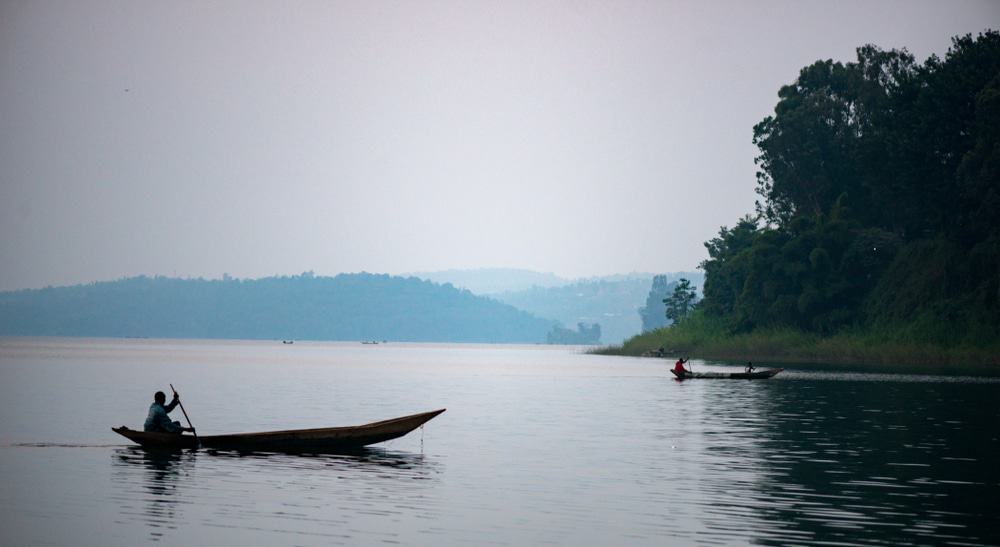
(157,419)
(679,366)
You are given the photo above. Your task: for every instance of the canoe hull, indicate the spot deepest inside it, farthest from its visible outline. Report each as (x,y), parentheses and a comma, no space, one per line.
(326,439)
(728,375)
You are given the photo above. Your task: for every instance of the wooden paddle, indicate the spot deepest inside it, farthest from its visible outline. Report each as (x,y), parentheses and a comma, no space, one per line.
(193,432)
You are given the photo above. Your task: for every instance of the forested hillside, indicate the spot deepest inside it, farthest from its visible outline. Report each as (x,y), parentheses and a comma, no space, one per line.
(879,185)
(345,307)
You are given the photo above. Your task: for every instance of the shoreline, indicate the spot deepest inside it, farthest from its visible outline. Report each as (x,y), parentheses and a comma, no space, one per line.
(787,346)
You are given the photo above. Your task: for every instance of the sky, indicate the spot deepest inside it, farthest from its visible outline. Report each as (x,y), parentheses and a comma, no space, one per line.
(196,139)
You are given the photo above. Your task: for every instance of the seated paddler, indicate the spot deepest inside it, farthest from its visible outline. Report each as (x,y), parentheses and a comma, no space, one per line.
(157,419)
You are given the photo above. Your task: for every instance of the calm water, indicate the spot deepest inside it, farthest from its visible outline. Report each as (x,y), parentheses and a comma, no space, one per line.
(539,445)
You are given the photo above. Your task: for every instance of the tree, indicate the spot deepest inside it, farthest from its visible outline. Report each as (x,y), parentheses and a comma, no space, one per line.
(831,133)
(652,313)
(681,302)
(879,182)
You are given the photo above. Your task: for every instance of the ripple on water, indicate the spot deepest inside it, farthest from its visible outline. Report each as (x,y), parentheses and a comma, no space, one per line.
(311,495)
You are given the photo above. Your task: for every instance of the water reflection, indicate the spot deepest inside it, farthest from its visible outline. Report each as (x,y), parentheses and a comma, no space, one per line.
(788,462)
(262,492)
(152,479)
(733,460)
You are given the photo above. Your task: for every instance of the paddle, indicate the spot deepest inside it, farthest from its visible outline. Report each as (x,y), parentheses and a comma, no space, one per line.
(193,432)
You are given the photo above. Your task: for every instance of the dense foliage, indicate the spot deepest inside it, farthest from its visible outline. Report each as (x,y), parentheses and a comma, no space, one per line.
(879,184)
(345,307)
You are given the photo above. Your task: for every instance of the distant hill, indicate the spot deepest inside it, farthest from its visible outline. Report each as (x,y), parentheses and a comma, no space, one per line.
(490,281)
(612,301)
(612,304)
(493,280)
(346,307)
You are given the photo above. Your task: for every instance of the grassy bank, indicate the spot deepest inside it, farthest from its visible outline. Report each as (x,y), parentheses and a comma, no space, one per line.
(703,338)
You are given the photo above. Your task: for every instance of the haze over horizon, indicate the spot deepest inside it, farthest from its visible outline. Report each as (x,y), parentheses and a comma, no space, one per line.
(252,139)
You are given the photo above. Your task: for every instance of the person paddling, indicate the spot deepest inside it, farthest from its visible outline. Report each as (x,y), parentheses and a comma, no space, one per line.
(750,368)
(679,366)
(157,419)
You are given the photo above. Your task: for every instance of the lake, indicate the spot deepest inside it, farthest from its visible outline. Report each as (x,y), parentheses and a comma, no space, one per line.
(539,445)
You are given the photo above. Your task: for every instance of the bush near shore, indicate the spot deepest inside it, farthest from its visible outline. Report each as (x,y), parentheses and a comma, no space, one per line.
(706,338)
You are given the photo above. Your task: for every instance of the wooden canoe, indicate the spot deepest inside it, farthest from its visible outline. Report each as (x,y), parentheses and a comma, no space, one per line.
(324,439)
(757,375)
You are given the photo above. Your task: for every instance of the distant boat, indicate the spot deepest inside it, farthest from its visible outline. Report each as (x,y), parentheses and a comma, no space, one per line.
(288,341)
(369,341)
(731,375)
(326,439)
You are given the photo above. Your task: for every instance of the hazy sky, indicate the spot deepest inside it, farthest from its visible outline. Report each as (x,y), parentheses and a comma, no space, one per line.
(262,138)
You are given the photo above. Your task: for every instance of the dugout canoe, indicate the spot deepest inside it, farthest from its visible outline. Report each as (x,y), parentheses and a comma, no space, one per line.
(324,439)
(758,375)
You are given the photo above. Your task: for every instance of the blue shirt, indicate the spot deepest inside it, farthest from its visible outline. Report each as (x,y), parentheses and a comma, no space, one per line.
(157,419)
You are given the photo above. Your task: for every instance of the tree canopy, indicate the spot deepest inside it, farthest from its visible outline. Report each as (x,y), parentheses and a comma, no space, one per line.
(879,186)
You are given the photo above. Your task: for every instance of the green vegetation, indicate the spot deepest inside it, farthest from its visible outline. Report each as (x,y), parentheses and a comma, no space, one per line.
(877,236)
(711,339)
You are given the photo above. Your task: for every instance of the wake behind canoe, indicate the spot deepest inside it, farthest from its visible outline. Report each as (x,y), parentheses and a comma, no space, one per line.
(759,375)
(325,439)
